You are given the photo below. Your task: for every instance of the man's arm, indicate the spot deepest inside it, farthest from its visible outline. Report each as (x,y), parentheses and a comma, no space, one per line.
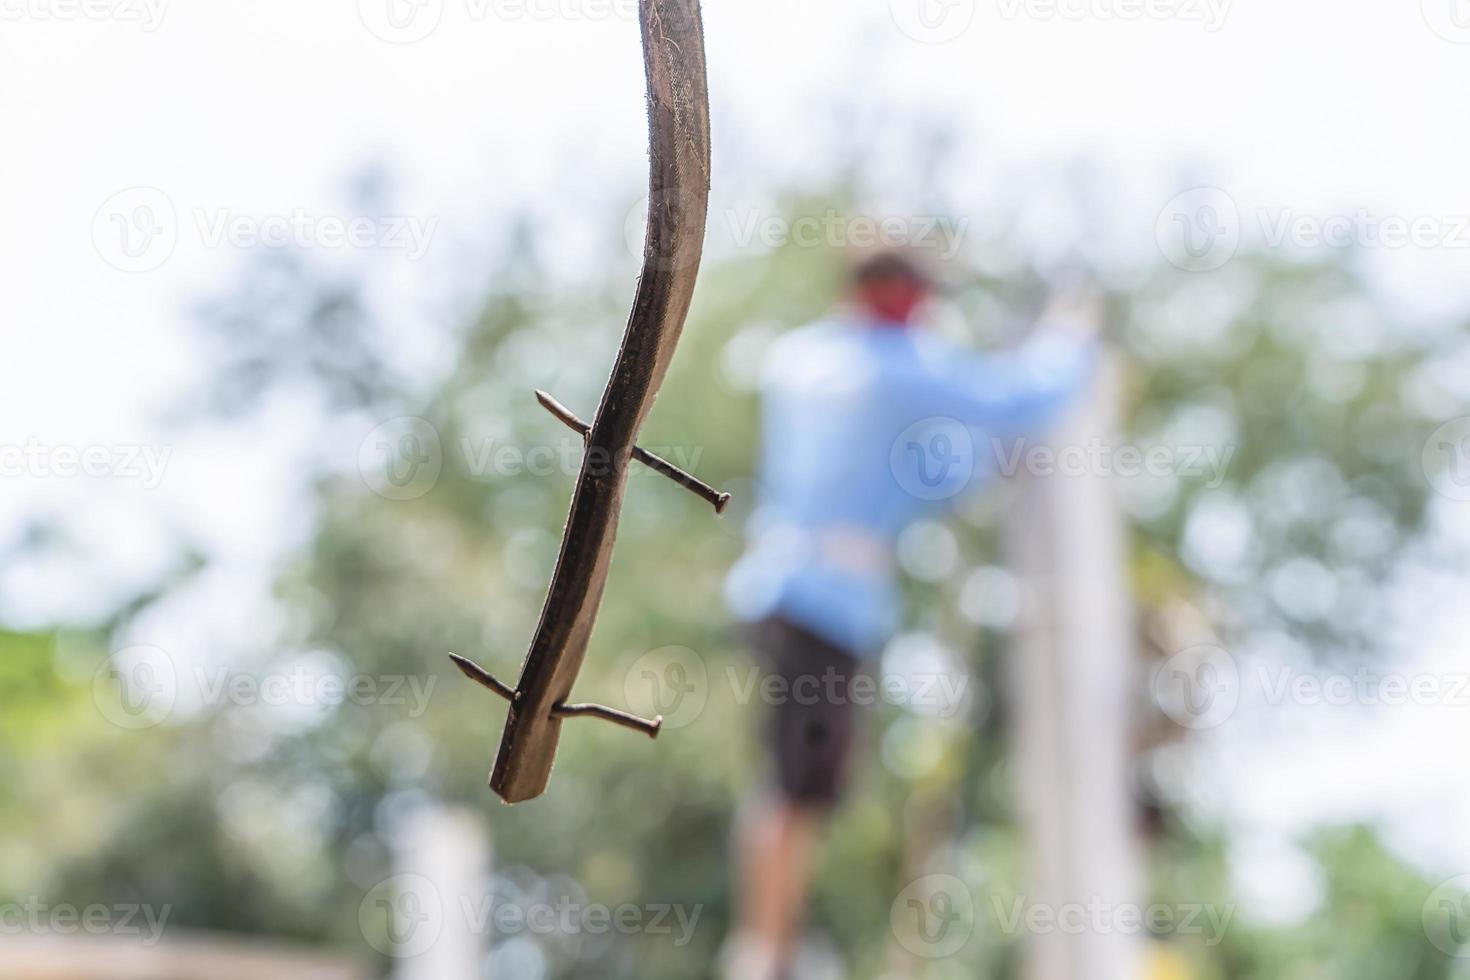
(1027,388)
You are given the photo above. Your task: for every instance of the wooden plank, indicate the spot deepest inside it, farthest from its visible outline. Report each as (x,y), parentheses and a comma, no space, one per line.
(679,151)
(198,957)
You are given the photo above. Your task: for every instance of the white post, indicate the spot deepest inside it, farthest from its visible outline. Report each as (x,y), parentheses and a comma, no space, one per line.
(444,858)
(1075,671)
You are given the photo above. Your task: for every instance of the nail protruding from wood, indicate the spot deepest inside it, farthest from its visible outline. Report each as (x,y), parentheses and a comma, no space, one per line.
(649,728)
(482,676)
(717,499)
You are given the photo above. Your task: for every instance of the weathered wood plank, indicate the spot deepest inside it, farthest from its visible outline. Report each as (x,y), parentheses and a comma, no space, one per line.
(679,150)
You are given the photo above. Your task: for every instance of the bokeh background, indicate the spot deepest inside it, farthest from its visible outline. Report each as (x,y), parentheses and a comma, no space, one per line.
(280,279)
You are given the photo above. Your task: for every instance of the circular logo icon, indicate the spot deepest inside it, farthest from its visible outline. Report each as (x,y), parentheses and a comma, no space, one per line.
(1450,19)
(402,458)
(933,21)
(1199,230)
(934,917)
(401,21)
(677,210)
(1447,917)
(136,688)
(402,916)
(934,459)
(670,682)
(1199,688)
(1446,459)
(136,230)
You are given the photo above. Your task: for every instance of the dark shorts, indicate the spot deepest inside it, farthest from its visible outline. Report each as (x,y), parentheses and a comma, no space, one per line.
(811,722)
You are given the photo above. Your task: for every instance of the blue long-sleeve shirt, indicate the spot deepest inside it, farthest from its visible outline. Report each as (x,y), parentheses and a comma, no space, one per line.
(868,428)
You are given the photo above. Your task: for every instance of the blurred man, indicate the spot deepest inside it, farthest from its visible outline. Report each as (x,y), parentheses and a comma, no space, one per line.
(869,424)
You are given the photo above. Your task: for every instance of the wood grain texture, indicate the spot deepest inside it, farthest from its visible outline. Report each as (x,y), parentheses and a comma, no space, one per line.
(679,151)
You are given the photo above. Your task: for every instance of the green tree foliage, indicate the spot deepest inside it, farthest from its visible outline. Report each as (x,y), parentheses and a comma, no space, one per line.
(1289,363)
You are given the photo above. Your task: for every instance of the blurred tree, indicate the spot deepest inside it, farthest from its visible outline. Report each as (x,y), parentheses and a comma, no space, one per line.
(247,820)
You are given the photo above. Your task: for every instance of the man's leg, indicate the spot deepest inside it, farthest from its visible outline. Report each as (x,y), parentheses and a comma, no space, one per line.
(809,734)
(776,844)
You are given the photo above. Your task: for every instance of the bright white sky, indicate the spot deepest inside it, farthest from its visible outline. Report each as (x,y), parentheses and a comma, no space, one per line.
(261,107)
